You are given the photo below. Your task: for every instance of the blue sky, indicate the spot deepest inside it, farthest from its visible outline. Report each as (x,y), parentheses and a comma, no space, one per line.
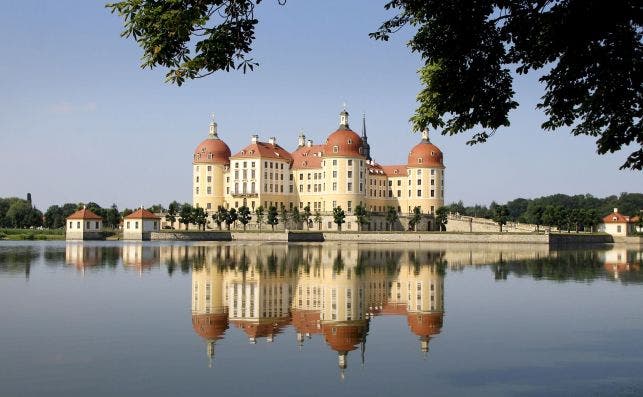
(81,121)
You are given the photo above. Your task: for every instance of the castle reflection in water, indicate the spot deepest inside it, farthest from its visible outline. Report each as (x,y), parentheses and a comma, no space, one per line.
(335,290)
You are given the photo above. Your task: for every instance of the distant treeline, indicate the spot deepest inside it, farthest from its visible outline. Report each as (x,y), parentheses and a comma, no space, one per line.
(561,210)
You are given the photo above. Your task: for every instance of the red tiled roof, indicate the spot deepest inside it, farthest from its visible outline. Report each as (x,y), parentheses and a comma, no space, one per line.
(263,150)
(395,170)
(306,157)
(141,213)
(425,324)
(348,144)
(425,155)
(84,214)
(616,217)
(212,150)
(344,337)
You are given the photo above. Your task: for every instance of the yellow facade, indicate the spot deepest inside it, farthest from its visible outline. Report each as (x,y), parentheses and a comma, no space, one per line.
(322,177)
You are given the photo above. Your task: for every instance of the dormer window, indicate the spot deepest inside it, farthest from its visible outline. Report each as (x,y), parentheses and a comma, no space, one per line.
(243,152)
(350,141)
(614,219)
(420,159)
(209,156)
(432,154)
(395,172)
(202,150)
(335,149)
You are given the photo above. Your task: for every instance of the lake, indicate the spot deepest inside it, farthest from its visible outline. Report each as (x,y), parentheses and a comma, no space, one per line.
(164,319)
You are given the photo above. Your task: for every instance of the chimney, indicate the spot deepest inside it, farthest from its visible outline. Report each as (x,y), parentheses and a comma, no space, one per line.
(302,139)
(272,140)
(309,143)
(254,139)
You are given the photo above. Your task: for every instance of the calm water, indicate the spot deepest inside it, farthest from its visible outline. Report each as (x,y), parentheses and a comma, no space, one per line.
(103,319)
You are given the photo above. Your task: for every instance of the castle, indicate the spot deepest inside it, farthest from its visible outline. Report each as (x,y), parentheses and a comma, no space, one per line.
(337,173)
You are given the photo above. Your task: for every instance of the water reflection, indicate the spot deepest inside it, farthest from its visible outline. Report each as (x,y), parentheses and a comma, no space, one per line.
(324,290)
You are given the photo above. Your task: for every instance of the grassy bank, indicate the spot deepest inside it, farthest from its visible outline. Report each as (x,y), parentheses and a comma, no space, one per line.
(32,234)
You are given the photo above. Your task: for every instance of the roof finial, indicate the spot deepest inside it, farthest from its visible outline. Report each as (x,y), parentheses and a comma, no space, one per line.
(213,127)
(343,119)
(425,135)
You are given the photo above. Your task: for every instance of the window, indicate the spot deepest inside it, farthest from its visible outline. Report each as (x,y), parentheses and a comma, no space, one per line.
(432,193)
(209,168)
(419,182)
(334,162)
(350,206)
(236,164)
(350,162)
(335,150)
(207,206)
(419,160)
(335,174)
(419,193)
(309,176)
(334,203)
(236,175)
(209,190)
(197,179)
(399,193)
(245,164)
(350,186)
(128,224)
(265,164)
(197,190)
(252,187)
(399,182)
(136,225)
(252,174)
(334,186)
(432,172)
(432,182)
(77,225)
(350,173)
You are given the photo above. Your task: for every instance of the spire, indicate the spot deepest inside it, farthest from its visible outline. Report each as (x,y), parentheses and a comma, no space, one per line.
(425,135)
(366,148)
(213,134)
(363,125)
(343,119)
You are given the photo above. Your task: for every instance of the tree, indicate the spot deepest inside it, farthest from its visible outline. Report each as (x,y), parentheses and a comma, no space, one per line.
(172,211)
(260,214)
(296,217)
(468,56)
(272,217)
(362,216)
(339,217)
(231,217)
(185,215)
(112,216)
(244,216)
(416,218)
(391,217)
(156,208)
(284,216)
(169,32)
(220,216)
(534,214)
(318,219)
(550,216)
(501,215)
(442,217)
(54,218)
(199,217)
(306,216)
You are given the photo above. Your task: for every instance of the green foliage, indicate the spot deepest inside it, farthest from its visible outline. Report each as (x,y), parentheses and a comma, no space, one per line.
(259,212)
(441,217)
(244,216)
(220,216)
(296,216)
(501,215)
(192,38)
(339,217)
(199,217)
(231,217)
(272,217)
(172,212)
(416,218)
(362,215)
(283,215)
(186,214)
(18,213)
(469,49)
(391,217)
(318,218)
(306,216)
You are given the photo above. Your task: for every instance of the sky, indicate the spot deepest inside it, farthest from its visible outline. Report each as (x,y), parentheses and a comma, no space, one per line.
(80,120)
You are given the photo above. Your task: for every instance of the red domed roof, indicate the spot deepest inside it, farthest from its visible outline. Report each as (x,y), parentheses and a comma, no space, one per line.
(212,151)
(343,143)
(425,155)
(425,324)
(344,337)
(210,326)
